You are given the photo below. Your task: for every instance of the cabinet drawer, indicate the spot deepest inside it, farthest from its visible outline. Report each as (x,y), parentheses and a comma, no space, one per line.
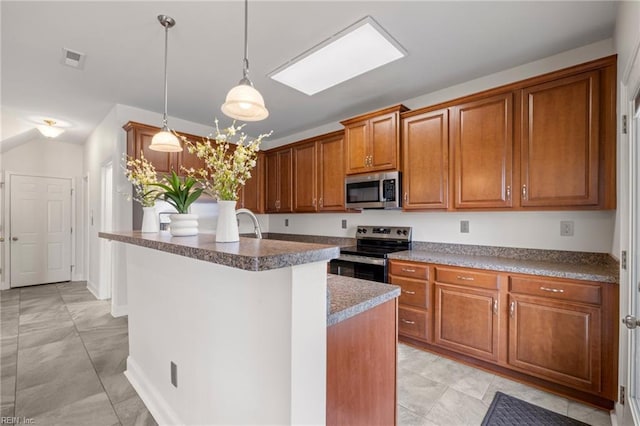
(412,322)
(562,290)
(466,277)
(410,270)
(413,292)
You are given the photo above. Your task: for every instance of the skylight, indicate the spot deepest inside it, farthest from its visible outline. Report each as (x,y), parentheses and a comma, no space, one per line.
(359,48)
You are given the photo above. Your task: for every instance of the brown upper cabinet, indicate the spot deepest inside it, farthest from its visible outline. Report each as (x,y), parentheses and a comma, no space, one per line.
(425,150)
(373,141)
(318,174)
(482,144)
(278,176)
(139,139)
(548,142)
(251,195)
(560,142)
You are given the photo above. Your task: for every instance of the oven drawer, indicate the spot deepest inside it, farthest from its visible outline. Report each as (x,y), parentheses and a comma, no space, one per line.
(409,269)
(413,292)
(466,277)
(412,322)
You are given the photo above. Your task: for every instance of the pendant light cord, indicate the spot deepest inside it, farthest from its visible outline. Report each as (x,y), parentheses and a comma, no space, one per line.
(166,50)
(245,62)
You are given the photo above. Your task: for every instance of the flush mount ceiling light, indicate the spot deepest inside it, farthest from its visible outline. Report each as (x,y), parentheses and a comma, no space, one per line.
(164,140)
(355,50)
(243,101)
(48,129)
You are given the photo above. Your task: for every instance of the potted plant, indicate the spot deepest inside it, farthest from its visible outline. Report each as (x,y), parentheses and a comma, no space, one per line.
(142,175)
(181,194)
(226,170)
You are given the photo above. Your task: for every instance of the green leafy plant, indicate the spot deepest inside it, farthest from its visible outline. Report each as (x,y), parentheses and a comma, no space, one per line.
(179,193)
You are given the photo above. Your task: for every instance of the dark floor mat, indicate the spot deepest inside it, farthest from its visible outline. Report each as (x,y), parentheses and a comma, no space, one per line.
(506,410)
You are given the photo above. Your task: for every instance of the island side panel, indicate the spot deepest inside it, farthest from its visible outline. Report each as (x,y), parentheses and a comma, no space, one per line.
(231,334)
(361,368)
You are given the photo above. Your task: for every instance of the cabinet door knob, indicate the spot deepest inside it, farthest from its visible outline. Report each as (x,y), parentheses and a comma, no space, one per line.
(407,321)
(408,292)
(495,306)
(408,270)
(313,203)
(512,309)
(320,202)
(524,192)
(508,192)
(406,197)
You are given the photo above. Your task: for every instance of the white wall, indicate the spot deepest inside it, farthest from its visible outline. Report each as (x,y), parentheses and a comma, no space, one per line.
(48,157)
(541,230)
(593,230)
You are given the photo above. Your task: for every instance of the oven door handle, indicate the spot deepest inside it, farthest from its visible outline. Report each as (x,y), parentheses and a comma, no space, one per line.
(362,259)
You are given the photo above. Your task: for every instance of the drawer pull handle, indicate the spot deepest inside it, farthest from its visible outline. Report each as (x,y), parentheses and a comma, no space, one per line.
(495,306)
(460,277)
(407,321)
(408,292)
(552,290)
(408,270)
(512,309)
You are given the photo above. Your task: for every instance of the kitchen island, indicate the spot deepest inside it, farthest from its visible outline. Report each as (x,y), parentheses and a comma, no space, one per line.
(234,333)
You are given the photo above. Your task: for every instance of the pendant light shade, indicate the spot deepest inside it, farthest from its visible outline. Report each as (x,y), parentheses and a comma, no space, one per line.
(165,141)
(243,101)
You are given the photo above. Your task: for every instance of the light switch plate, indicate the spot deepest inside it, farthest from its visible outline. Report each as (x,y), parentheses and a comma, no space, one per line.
(566,228)
(464,226)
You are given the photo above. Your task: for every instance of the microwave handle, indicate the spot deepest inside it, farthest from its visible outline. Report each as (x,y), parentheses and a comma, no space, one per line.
(381,190)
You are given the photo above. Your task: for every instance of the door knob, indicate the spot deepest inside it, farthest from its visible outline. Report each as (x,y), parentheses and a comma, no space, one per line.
(631,322)
(14,239)
(1,239)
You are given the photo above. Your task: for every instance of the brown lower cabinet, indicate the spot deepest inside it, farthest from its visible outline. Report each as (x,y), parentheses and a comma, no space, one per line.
(361,368)
(555,333)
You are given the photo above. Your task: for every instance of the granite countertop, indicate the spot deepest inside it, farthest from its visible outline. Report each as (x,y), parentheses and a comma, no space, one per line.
(595,271)
(351,296)
(250,254)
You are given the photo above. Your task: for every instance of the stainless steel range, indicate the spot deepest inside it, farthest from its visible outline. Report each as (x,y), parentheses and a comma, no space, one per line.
(368,258)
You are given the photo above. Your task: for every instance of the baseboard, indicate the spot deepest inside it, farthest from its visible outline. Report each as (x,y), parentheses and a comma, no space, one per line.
(119,311)
(155,403)
(94,290)
(4,285)
(614,418)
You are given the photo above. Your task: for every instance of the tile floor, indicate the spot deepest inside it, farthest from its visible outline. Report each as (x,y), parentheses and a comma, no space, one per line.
(63,357)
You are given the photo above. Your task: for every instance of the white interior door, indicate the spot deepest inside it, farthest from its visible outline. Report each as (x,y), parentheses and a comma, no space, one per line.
(633,363)
(40,217)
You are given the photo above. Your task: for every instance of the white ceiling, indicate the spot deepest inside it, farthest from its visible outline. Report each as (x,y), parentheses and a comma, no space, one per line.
(448,43)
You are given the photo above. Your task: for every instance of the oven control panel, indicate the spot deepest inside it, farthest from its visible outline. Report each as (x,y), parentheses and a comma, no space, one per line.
(384,232)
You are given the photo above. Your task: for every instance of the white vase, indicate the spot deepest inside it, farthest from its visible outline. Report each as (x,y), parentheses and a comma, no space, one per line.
(227,227)
(150,220)
(183,224)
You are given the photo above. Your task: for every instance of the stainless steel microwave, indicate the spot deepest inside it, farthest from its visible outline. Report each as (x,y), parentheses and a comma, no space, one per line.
(373,191)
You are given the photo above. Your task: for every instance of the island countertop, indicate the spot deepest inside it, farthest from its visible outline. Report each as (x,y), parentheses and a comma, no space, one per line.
(351,296)
(250,254)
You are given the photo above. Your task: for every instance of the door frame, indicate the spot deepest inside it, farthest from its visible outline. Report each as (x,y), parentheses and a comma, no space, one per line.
(6,272)
(105,247)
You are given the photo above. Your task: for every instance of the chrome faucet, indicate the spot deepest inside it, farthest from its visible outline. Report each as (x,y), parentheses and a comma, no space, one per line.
(254,219)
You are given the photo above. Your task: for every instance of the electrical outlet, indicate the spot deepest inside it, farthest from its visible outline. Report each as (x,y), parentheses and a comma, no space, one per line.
(344,223)
(464,226)
(286,222)
(174,374)
(566,228)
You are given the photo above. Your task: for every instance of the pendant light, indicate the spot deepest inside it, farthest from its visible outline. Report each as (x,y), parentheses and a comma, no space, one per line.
(244,102)
(164,140)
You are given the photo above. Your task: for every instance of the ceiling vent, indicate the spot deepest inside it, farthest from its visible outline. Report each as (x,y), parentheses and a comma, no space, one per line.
(72,59)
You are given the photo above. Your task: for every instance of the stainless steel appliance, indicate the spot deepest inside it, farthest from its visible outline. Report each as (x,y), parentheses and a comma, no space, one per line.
(373,191)
(368,258)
